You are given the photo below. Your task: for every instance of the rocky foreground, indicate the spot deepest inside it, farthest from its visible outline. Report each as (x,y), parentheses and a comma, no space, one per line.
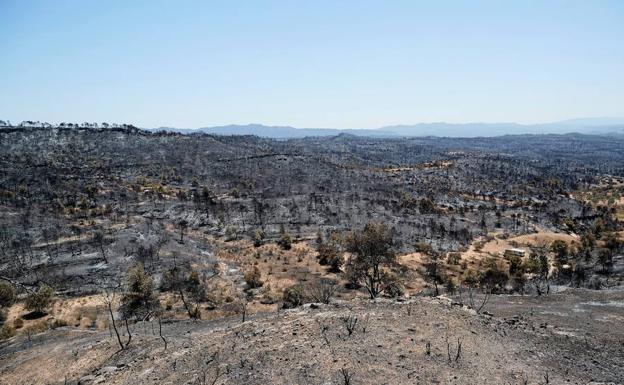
(421,341)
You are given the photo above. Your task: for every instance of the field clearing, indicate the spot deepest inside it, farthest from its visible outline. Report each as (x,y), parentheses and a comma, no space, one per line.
(496,246)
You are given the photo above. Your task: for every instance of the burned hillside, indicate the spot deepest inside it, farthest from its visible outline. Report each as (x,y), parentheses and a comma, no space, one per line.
(106,197)
(128,234)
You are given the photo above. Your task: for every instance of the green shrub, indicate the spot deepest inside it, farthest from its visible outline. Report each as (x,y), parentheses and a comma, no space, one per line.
(494,279)
(39,300)
(372,252)
(231,233)
(394,286)
(7,332)
(451,287)
(293,296)
(7,294)
(285,241)
(138,301)
(258,238)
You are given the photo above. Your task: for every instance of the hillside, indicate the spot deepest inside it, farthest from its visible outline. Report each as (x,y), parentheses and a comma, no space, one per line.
(207,229)
(391,343)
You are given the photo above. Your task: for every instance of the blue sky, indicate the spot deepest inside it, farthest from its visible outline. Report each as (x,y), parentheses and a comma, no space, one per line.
(347,64)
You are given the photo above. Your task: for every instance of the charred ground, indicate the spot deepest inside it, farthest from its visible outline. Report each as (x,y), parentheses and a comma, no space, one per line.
(80,207)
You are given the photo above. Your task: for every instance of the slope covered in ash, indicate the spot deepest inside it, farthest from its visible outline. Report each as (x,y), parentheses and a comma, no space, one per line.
(87,203)
(422,341)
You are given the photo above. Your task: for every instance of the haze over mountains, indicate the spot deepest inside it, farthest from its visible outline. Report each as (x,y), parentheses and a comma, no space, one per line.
(598,126)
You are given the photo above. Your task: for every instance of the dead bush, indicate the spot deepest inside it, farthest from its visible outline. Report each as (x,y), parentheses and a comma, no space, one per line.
(323,290)
(58,323)
(253,278)
(329,255)
(18,323)
(36,328)
(453,258)
(350,323)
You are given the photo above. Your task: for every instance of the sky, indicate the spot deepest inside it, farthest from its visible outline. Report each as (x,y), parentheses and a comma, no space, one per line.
(343,64)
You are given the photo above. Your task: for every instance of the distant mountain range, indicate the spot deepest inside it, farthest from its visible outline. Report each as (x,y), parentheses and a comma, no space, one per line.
(595,126)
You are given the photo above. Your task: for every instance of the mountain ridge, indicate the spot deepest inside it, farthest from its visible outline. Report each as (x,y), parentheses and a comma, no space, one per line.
(599,126)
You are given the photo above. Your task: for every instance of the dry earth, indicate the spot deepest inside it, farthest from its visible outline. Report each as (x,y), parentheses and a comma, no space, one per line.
(572,337)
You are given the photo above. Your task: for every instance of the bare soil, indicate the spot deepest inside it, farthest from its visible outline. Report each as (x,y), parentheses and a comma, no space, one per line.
(571,337)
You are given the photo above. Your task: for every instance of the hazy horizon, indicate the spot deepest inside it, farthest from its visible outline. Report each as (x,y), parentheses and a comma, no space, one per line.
(620,120)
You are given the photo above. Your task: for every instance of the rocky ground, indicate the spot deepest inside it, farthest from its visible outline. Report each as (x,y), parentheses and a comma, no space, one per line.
(571,337)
